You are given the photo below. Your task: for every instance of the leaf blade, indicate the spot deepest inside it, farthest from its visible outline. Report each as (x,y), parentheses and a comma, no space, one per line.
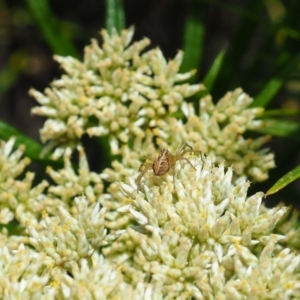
(281,128)
(193,39)
(50,28)
(114,16)
(273,86)
(214,70)
(284,181)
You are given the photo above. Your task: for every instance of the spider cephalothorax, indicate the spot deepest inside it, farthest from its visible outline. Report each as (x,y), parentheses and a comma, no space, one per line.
(164,162)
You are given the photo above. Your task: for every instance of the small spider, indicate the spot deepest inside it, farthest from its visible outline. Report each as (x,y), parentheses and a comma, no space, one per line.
(164,162)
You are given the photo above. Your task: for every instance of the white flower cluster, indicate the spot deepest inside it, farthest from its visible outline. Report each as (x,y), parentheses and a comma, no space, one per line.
(70,183)
(219,130)
(289,228)
(189,231)
(132,97)
(29,274)
(205,239)
(115,91)
(18,198)
(66,238)
(64,262)
(22,273)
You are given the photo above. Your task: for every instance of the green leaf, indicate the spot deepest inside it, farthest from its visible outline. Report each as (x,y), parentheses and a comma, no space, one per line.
(268,92)
(285,180)
(115,17)
(273,86)
(193,40)
(281,128)
(50,28)
(280,113)
(213,72)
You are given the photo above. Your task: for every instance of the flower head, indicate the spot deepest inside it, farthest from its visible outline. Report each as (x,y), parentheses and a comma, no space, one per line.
(115,91)
(201,238)
(69,182)
(66,238)
(18,198)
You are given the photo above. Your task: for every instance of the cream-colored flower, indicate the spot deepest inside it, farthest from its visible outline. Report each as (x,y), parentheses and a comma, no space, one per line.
(271,275)
(18,198)
(193,235)
(11,164)
(93,278)
(115,91)
(218,130)
(66,238)
(12,242)
(289,228)
(70,183)
(23,273)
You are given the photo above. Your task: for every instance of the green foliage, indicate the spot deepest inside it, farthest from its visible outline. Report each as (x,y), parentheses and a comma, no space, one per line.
(50,28)
(282,128)
(114,15)
(284,181)
(193,40)
(213,72)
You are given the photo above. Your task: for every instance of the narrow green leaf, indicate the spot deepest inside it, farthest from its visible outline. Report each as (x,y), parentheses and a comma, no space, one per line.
(281,128)
(120,16)
(285,180)
(273,86)
(280,113)
(50,28)
(268,92)
(193,40)
(115,17)
(213,72)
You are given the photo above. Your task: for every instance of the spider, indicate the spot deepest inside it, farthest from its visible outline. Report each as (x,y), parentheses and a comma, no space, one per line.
(164,162)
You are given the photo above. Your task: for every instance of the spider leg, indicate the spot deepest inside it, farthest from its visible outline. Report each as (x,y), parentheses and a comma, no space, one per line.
(184,145)
(145,165)
(200,153)
(184,158)
(174,179)
(180,149)
(190,151)
(143,168)
(187,145)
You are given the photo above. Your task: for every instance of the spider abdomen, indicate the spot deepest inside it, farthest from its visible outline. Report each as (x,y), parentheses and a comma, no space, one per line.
(161,165)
